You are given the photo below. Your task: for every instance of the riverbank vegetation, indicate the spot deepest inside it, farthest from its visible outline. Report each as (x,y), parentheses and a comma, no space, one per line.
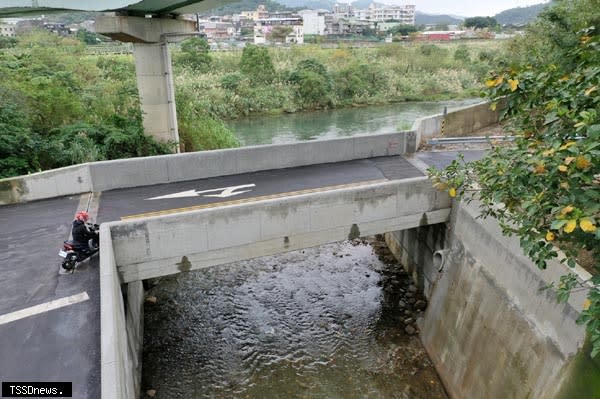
(305,78)
(549,179)
(61,105)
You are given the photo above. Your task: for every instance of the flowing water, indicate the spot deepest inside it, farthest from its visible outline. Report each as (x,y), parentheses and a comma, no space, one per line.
(328,322)
(290,128)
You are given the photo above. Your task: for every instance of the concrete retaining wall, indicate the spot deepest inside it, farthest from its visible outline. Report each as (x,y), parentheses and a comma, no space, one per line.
(457,123)
(157,246)
(488,329)
(414,249)
(133,172)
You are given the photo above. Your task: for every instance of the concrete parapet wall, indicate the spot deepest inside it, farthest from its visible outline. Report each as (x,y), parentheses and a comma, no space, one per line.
(134,172)
(164,245)
(52,183)
(118,367)
(456,123)
(489,329)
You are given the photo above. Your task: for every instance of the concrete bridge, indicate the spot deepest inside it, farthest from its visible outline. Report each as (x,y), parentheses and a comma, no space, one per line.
(176,213)
(256,201)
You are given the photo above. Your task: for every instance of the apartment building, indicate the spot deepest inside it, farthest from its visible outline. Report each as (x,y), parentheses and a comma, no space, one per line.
(7,30)
(264,29)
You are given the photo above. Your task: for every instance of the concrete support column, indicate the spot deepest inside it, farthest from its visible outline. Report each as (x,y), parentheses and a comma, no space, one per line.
(153,67)
(156,90)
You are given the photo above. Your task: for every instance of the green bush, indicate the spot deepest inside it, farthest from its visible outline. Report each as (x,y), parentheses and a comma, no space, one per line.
(256,63)
(360,80)
(231,81)
(313,84)
(17,142)
(195,54)
(205,133)
(462,53)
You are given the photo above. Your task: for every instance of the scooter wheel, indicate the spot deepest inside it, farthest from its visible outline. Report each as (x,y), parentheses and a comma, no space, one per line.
(68,265)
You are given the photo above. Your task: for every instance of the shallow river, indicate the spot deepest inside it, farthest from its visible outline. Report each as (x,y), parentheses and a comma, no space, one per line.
(326,322)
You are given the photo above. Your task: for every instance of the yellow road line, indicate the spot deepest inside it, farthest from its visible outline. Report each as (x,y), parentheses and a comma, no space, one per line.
(248,200)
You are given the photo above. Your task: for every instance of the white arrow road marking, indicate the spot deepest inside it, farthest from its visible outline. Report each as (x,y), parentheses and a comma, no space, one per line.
(224,192)
(228,191)
(43,307)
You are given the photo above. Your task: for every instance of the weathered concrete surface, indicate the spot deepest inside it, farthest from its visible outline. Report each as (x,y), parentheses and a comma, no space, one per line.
(140,29)
(456,123)
(154,75)
(488,328)
(176,243)
(117,361)
(414,249)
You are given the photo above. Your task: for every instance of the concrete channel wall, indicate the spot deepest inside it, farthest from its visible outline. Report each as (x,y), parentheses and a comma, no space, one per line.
(134,172)
(488,329)
(456,123)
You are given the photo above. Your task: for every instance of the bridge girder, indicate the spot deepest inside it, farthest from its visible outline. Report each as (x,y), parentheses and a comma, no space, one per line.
(157,8)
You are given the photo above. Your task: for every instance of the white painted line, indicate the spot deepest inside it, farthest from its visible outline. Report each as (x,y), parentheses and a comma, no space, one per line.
(43,307)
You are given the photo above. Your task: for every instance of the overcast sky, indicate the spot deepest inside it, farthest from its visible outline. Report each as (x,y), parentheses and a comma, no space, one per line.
(465,8)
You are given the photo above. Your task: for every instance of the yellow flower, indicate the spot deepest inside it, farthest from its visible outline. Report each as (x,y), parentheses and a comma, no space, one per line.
(452,192)
(586,304)
(565,185)
(549,152)
(591,90)
(563,168)
(513,83)
(549,236)
(567,145)
(490,83)
(539,168)
(440,186)
(567,209)
(582,162)
(570,226)
(568,160)
(587,225)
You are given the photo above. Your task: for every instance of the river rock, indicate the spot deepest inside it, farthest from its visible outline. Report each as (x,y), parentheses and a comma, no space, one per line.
(151,299)
(420,304)
(410,330)
(402,304)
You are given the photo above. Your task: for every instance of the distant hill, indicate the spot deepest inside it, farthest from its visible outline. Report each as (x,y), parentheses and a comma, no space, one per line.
(429,19)
(308,4)
(520,15)
(250,5)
